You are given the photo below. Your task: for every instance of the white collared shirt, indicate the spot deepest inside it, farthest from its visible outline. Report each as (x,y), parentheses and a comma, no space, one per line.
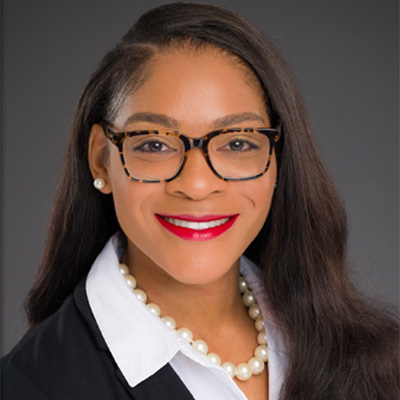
(141,343)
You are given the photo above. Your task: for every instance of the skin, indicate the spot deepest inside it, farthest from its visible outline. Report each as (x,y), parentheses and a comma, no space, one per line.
(200,90)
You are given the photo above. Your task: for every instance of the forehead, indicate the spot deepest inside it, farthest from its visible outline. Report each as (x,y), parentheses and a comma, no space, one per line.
(206,57)
(197,85)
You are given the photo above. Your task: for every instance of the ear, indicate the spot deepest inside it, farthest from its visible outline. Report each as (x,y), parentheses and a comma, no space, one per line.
(98,157)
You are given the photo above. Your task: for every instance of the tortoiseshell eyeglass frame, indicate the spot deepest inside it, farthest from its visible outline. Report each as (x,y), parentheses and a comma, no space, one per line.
(118,138)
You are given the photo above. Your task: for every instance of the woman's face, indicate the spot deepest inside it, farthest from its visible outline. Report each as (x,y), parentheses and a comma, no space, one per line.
(197,91)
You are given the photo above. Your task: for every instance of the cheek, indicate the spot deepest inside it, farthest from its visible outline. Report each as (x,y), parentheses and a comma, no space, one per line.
(260,192)
(259,198)
(260,195)
(255,197)
(129,197)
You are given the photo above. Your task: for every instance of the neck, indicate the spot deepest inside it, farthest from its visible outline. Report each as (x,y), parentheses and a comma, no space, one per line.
(213,303)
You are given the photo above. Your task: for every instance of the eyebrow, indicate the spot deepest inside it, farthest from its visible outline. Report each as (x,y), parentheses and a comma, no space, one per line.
(233,119)
(152,117)
(172,123)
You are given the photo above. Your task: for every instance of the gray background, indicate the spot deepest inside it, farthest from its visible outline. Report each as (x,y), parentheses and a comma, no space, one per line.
(344,54)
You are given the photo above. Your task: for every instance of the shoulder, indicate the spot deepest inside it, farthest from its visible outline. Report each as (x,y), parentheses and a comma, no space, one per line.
(17,386)
(64,357)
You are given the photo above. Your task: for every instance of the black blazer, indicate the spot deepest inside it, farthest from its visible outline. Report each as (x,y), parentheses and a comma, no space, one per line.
(66,358)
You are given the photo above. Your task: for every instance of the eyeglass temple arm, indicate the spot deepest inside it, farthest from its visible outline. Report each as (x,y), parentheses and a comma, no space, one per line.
(114,137)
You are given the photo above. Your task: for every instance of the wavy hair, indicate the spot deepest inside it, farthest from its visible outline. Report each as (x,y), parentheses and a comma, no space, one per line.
(339,346)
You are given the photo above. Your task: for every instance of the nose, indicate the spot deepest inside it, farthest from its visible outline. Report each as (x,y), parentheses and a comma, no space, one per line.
(196,180)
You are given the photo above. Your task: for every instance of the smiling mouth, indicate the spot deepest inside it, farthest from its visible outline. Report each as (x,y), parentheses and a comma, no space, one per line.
(197,228)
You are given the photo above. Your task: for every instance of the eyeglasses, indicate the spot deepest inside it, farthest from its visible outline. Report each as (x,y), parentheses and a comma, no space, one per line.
(234,154)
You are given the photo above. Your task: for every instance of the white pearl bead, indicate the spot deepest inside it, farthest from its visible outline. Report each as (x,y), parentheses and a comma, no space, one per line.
(262,352)
(259,323)
(99,183)
(244,372)
(215,358)
(254,311)
(201,346)
(248,298)
(186,334)
(243,287)
(230,368)
(123,268)
(262,337)
(170,322)
(256,365)
(154,309)
(131,281)
(142,296)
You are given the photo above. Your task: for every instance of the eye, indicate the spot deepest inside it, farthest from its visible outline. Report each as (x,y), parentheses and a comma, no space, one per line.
(152,146)
(238,145)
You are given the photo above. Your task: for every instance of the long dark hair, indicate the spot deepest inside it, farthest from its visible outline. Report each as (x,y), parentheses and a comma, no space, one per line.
(338,346)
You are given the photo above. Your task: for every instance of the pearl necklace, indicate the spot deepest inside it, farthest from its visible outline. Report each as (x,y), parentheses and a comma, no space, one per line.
(241,371)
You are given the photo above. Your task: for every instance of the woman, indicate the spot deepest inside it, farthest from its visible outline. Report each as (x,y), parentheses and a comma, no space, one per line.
(194,134)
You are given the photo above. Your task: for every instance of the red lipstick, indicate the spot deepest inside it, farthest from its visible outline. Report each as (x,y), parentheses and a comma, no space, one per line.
(189,227)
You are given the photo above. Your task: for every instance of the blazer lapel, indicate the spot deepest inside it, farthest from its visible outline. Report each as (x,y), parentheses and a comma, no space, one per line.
(165,384)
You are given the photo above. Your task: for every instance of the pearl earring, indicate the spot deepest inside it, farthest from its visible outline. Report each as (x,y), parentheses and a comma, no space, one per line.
(99,183)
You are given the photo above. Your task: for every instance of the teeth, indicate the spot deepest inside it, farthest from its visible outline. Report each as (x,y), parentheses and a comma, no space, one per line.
(198,226)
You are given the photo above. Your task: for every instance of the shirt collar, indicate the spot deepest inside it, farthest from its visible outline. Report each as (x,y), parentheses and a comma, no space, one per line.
(125,323)
(128,327)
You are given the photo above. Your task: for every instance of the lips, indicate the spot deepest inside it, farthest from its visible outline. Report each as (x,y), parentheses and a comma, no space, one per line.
(189,227)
